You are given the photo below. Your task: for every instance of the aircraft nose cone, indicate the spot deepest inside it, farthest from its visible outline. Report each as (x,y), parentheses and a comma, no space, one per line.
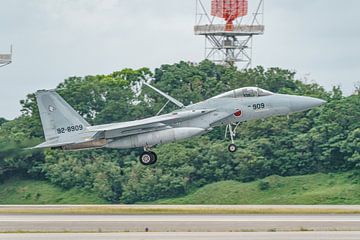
(318,102)
(299,104)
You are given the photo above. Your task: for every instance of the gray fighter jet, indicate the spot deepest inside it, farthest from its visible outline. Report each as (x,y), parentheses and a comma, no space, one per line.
(64,128)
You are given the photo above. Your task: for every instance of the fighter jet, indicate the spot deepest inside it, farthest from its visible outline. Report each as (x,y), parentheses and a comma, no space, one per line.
(65,129)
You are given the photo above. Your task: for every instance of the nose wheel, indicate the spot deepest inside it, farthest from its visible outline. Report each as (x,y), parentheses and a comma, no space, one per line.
(148,158)
(232,132)
(232,148)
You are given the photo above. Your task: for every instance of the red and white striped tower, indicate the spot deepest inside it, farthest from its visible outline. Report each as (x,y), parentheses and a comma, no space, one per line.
(228,29)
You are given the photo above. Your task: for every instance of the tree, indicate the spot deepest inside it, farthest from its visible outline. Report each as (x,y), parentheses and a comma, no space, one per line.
(323,139)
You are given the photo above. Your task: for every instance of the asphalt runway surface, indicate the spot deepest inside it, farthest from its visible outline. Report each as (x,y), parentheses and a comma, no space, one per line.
(189,236)
(178,223)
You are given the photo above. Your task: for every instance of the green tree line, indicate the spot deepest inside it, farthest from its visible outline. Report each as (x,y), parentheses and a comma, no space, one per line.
(325,139)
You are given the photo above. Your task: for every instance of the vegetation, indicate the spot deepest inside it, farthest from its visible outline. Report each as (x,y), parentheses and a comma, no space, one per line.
(325,139)
(341,188)
(20,191)
(178,209)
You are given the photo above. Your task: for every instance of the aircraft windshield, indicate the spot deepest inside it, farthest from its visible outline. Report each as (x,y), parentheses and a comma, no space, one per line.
(245,92)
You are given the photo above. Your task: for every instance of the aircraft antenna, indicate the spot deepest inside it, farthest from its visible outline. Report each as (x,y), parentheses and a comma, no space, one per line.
(229,29)
(6,59)
(171,99)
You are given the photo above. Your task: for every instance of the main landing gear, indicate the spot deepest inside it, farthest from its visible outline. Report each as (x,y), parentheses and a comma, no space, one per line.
(148,157)
(232,132)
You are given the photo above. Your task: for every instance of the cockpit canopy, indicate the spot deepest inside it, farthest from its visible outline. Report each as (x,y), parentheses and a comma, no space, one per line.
(245,92)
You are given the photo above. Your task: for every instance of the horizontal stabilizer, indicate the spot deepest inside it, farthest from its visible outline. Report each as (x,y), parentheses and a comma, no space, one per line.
(51,145)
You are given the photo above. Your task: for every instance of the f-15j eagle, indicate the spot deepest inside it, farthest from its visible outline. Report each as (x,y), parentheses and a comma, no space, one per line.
(64,128)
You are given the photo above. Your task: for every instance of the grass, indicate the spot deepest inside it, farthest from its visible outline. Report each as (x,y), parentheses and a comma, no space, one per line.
(171,209)
(324,189)
(19,191)
(314,189)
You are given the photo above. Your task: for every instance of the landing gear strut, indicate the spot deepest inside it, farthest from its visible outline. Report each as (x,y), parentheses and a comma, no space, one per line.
(232,132)
(148,157)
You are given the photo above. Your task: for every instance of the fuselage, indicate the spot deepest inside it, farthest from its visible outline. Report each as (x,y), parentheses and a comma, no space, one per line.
(232,107)
(234,110)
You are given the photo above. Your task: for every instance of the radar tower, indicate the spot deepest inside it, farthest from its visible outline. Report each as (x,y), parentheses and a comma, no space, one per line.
(6,59)
(229,29)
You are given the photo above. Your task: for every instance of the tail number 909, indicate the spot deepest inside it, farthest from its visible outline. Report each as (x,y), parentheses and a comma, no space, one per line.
(258,106)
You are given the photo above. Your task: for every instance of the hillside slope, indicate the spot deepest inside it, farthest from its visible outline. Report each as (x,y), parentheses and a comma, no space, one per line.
(19,191)
(341,188)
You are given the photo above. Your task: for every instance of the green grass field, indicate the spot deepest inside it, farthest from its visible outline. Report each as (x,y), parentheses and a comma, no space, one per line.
(18,191)
(341,188)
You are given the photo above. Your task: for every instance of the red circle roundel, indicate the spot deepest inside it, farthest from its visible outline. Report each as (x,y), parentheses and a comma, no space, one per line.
(237,113)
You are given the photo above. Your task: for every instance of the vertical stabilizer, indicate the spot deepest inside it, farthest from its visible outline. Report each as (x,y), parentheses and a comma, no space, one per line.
(61,123)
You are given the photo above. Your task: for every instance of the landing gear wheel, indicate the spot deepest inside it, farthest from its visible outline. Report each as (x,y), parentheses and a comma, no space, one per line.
(155,157)
(148,158)
(232,148)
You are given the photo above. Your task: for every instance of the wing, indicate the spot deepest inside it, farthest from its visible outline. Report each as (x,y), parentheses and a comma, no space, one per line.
(146,125)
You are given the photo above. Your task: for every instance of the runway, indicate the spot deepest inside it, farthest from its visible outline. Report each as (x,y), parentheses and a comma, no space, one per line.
(178,223)
(189,236)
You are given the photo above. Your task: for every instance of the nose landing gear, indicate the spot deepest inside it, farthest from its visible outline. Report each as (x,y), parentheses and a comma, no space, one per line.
(232,132)
(232,148)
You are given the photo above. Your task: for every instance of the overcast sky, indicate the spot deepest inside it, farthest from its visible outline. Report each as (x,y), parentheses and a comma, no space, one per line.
(55,39)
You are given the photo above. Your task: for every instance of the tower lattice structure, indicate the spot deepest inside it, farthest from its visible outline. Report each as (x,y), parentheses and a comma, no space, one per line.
(229,29)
